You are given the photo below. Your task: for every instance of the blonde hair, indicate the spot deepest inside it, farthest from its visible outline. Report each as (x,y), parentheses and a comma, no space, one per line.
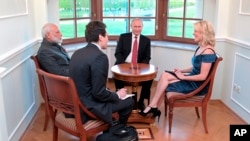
(207,31)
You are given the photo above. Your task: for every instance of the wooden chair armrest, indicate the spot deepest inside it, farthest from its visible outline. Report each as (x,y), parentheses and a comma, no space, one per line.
(86,111)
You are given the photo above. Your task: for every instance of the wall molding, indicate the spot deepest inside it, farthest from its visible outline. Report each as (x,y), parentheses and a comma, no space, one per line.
(244,7)
(6,72)
(14,63)
(18,8)
(16,51)
(21,124)
(12,53)
(234,41)
(235,96)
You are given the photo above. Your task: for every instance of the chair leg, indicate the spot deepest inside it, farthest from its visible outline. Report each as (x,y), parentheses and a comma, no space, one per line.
(197,112)
(165,106)
(55,133)
(204,117)
(46,122)
(83,138)
(170,118)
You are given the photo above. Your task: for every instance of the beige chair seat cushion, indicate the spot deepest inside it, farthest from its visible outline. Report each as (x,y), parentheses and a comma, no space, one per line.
(190,99)
(70,122)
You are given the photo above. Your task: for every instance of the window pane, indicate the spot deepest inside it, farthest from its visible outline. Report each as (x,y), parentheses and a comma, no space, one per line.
(189,29)
(148,27)
(142,8)
(81,26)
(194,9)
(67,28)
(176,8)
(82,8)
(116,26)
(174,28)
(66,9)
(115,8)
(117,15)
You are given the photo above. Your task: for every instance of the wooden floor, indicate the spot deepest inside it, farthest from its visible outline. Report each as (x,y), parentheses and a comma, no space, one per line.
(186,126)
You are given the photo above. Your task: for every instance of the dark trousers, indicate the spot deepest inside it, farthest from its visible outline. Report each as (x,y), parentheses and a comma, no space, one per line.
(124,109)
(145,90)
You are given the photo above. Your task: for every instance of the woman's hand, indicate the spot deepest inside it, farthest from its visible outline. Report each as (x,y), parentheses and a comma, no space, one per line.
(176,70)
(179,74)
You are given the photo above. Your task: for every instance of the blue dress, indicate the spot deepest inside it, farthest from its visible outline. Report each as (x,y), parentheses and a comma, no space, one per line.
(184,86)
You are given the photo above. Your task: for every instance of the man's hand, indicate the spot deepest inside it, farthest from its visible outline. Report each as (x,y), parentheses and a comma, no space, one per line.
(122,93)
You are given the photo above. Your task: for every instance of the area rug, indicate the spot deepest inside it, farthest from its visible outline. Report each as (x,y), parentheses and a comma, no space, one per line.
(145,134)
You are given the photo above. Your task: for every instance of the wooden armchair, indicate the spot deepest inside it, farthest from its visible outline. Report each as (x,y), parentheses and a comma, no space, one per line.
(173,99)
(42,91)
(61,97)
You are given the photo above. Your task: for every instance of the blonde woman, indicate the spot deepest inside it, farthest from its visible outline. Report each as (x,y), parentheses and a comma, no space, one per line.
(187,80)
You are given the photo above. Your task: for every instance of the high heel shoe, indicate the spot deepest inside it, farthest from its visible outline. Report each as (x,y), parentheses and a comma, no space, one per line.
(157,114)
(154,111)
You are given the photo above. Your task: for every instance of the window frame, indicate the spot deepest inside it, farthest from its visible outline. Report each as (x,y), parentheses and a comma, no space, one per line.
(160,22)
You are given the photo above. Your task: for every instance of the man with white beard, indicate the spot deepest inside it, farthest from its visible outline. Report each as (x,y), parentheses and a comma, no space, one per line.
(51,55)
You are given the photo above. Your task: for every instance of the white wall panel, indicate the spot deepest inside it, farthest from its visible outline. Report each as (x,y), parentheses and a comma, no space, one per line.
(19,95)
(241,78)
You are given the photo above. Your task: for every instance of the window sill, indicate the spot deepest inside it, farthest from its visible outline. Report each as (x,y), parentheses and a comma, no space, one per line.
(173,45)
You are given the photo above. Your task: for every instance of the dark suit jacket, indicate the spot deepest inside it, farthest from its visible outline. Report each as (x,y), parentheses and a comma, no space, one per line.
(89,70)
(124,48)
(53,58)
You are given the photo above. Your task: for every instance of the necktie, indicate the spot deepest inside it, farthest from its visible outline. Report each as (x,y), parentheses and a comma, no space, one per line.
(134,51)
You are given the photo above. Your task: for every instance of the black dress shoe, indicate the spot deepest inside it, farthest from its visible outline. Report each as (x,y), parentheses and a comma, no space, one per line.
(121,131)
(141,106)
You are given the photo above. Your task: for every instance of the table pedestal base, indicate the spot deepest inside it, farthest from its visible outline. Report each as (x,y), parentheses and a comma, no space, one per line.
(135,117)
(135,73)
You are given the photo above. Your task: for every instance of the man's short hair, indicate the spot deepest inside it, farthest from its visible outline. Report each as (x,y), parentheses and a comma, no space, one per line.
(93,30)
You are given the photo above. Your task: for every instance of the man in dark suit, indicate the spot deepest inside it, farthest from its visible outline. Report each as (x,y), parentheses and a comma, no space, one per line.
(123,54)
(89,70)
(51,56)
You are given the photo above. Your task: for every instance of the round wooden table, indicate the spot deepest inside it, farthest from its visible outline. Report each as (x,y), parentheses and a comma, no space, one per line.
(135,73)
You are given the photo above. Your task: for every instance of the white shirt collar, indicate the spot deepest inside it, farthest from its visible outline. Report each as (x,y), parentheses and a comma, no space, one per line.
(133,35)
(96,45)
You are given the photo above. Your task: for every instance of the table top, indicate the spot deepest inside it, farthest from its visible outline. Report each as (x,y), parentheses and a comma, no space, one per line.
(134,72)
